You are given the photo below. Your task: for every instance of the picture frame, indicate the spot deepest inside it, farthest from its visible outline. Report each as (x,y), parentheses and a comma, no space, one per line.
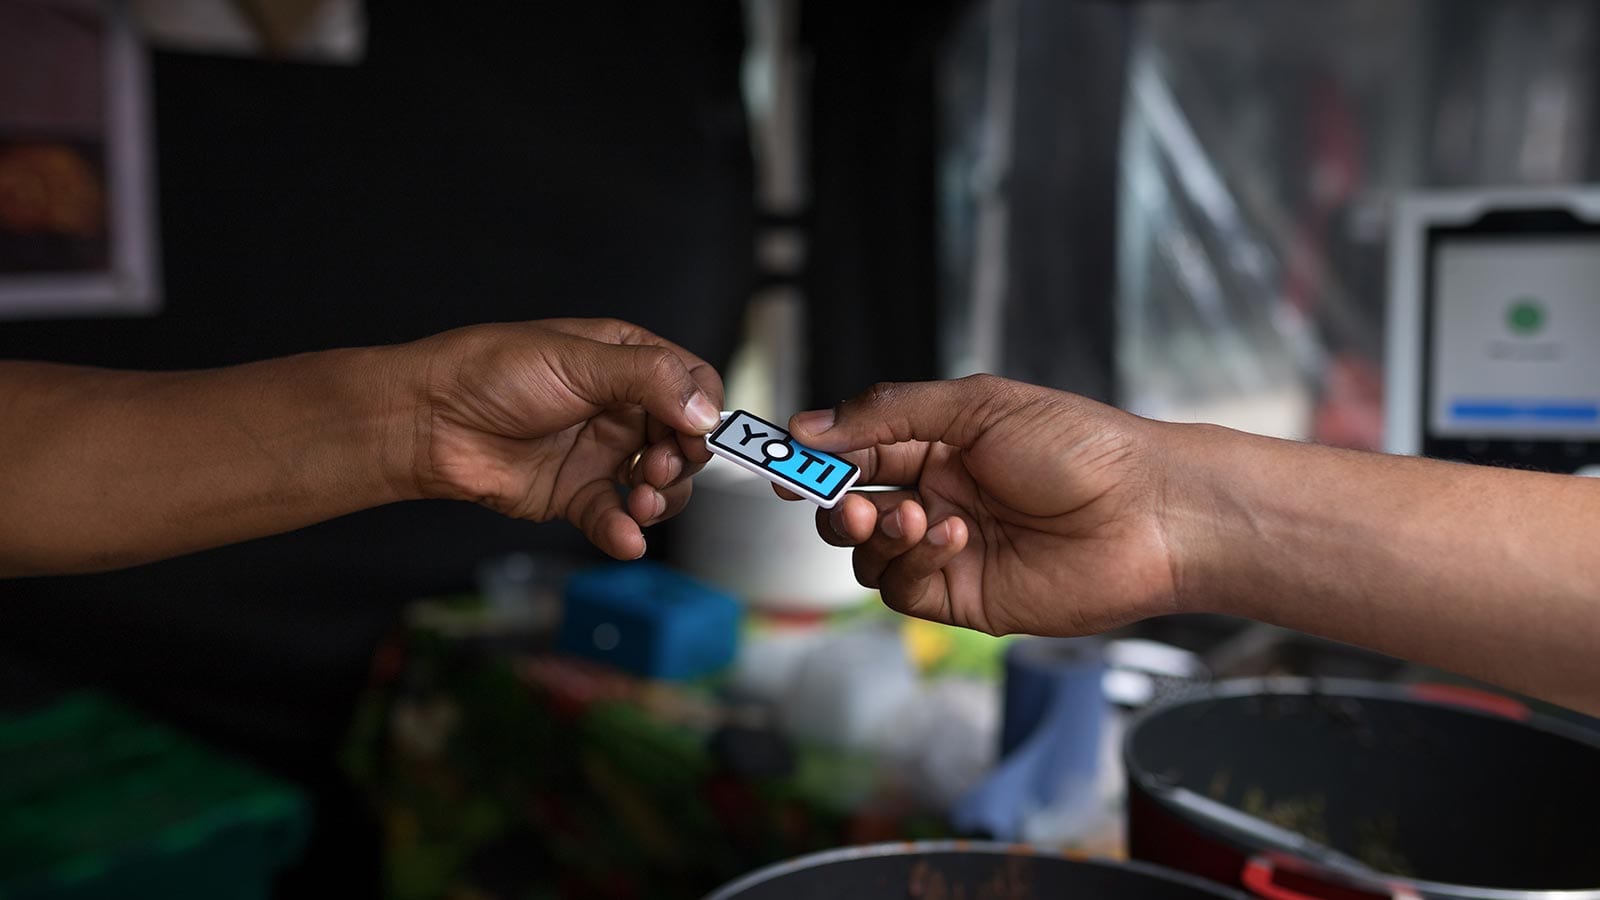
(78,220)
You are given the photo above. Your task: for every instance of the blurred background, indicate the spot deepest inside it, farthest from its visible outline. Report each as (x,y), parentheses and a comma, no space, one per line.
(1258,213)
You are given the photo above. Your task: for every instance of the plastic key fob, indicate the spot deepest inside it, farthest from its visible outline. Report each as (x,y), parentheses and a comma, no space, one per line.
(753,443)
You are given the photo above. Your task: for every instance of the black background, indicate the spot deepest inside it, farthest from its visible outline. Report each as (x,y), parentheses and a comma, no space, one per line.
(488,161)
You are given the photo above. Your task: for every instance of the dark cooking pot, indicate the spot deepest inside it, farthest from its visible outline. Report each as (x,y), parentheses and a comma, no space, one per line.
(961,869)
(1346,789)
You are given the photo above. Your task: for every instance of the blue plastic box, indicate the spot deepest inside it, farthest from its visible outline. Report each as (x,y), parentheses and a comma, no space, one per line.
(649,620)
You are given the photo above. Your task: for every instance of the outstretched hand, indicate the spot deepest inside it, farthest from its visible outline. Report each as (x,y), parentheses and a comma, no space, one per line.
(557,419)
(1030,510)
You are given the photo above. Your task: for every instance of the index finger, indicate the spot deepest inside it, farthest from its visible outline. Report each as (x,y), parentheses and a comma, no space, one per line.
(618,331)
(949,412)
(886,464)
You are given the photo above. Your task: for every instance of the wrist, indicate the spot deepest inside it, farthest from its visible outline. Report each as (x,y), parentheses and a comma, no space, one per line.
(435,458)
(1200,503)
(396,393)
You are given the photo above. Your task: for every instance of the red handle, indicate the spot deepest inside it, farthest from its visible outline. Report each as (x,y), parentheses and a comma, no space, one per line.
(1257,876)
(1471,698)
(1260,876)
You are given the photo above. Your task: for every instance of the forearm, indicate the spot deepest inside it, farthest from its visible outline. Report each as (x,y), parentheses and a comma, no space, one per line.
(1491,573)
(103,469)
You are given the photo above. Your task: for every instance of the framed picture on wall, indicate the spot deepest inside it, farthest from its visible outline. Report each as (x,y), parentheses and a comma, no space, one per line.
(77,220)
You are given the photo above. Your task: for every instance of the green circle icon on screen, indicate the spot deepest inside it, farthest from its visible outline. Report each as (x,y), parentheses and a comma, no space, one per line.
(1525,316)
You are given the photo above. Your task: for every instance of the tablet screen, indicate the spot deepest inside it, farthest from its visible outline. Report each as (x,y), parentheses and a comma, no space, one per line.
(1515,338)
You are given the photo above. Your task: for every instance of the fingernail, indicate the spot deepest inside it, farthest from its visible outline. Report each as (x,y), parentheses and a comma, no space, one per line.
(815,422)
(660,507)
(703,414)
(939,535)
(891,525)
(642,548)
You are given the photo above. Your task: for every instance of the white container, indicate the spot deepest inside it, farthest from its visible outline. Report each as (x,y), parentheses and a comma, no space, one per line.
(849,690)
(738,535)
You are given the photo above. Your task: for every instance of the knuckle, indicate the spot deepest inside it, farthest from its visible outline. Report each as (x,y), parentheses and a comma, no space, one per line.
(866,568)
(588,509)
(662,366)
(881,394)
(986,383)
(678,498)
(894,601)
(898,596)
(607,325)
(999,629)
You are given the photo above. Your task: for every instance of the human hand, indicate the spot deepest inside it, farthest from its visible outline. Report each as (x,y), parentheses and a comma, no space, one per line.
(1031,510)
(546,420)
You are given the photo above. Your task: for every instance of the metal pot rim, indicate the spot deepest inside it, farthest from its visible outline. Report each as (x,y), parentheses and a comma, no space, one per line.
(1360,877)
(931,848)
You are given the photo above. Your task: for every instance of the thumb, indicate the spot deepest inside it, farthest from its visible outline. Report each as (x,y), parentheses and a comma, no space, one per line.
(610,375)
(950,412)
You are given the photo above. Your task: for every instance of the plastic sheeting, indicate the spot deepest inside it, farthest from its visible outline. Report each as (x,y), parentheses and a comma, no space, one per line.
(1263,145)
(1221,176)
